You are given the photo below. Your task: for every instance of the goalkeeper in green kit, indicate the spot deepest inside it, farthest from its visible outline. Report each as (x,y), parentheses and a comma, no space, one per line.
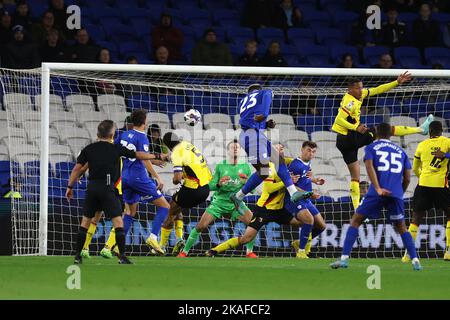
(229,177)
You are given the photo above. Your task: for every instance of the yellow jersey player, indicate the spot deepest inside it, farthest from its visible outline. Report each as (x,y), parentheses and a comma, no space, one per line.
(190,169)
(431,166)
(352,134)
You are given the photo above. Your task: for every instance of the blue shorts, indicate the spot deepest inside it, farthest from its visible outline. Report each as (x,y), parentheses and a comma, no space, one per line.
(298,206)
(137,189)
(256,145)
(371,207)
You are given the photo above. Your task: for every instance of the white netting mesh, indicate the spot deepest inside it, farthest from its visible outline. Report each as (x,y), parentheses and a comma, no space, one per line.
(303,107)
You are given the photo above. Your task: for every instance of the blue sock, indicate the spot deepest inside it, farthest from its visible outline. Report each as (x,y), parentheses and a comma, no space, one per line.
(315,232)
(408,242)
(127,221)
(252,182)
(161,214)
(304,235)
(350,238)
(284,174)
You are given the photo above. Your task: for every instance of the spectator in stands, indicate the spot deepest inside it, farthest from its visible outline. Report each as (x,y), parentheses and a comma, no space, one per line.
(385,62)
(132,60)
(209,51)
(406,5)
(22,15)
(154,137)
(162,55)
(346,61)
(359,34)
(41,29)
(53,50)
(258,13)
(393,32)
(84,50)
(104,56)
(249,58)
(273,57)
(21,53)
(59,10)
(437,66)
(286,15)
(165,34)
(426,31)
(5,28)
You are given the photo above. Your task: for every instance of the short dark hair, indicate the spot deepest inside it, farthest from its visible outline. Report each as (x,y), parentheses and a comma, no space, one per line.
(436,128)
(351,81)
(255,86)
(231,142)
(171,139)
(138,117)
(310,144)
(104,129)
(384,130)
(364,184)
(131,58)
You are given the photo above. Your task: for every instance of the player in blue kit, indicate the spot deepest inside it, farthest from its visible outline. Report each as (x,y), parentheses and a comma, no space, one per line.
(305,210)
(254,110)
(136,183)
(389,171)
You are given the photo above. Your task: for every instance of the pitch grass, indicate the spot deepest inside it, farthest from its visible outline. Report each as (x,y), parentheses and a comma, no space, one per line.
(220,278)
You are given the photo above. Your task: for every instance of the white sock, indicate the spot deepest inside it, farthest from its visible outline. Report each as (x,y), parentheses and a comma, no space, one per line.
(344,257)
(153,236)
(415,260)
(292,189)
(240,195)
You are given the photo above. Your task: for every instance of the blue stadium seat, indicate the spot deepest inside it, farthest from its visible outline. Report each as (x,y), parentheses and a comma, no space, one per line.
(280,104)
(33,168)
(374,52)
(319,60)
(437,55)
(269,33)
(131,46)
(63,86)
(95,32)
(142,101)
(310,123)
(441,107)
(316,19)
(441,17)
(171,104)
(228,102)
(337,51)
(120,33)
(387,102)
(203,102)
(371,120)
(222,16)
(324,199)
(104,12)
(407,17)
(345,199)
(406,52)
(221,33)
(141,25)
(328,36)
(300,34)
(417,107)
(63,169)
(37,8)
(239,32)
(345,18)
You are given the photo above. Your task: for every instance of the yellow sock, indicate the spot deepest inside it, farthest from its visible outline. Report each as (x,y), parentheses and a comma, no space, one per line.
(179,225)
(229,244)
(89,235)
(308,244)
(447,235)
(413,229)
(165,234)
(355,193)
(400,131)
(111,239)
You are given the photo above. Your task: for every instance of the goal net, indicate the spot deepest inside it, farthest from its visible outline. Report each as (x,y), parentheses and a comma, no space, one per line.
(46,122)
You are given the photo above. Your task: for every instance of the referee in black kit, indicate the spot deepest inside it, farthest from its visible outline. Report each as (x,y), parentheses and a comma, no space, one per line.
(103,159)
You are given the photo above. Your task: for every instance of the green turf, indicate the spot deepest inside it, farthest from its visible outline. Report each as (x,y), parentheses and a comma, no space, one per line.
(220,278)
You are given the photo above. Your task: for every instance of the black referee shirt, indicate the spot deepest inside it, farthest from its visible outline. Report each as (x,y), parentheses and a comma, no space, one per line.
(104,160)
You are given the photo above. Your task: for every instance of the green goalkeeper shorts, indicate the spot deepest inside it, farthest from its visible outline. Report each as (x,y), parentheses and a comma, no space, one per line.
(223,209)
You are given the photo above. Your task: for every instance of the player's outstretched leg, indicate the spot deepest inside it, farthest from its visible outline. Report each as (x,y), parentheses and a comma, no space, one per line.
(179,234)
(206,219)
(81,239)
(90,234)
(423,129)
(161,214)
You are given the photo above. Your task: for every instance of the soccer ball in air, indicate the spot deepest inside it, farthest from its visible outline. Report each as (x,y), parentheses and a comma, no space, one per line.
(192,117)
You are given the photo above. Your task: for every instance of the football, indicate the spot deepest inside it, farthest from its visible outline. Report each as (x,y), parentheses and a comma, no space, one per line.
(192,117)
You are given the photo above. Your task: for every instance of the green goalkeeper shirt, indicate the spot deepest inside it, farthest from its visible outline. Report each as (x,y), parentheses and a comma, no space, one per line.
(233,185)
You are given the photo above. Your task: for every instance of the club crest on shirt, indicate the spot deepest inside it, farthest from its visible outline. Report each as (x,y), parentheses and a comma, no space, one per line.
(146,147)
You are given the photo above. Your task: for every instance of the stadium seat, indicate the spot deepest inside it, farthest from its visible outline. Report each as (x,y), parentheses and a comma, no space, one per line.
(142,101)
(109,103)
(240,32)
(160,119)
(203,102)
(326,172)
(344,18)
(337,51)
(371,120)
(62,118)
(226,17)
(19,102)
(310,123)
(374,53)
(79,103)
(56,103)
(317,136)
(13,133)
(76,138)
(282,119)
(403,121)
(171,103)
(91,117)
(269,33)
(437,55)
(63,169)
(330,36)
(300,34)
(317,19)
(217,121)
(417,107)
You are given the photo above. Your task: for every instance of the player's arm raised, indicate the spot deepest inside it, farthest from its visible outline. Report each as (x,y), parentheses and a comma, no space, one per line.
(374,179)
(404,77)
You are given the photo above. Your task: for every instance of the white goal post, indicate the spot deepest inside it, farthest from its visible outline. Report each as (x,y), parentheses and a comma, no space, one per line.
(312,90)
